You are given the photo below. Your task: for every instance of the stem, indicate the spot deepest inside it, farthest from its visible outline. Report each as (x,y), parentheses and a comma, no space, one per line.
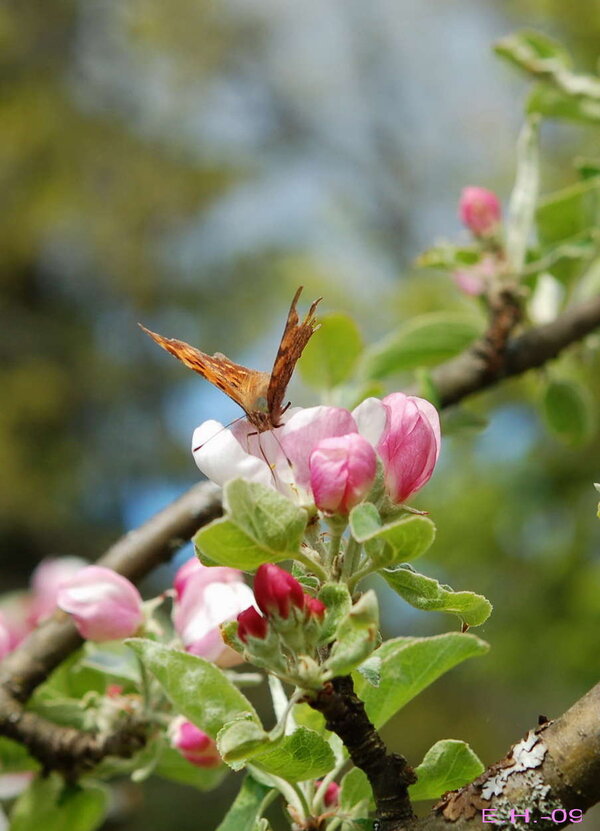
(312,565)
(358,575)
(288,791)
(351,560)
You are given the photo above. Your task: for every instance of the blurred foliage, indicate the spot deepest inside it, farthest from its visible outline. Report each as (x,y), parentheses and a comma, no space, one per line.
(104,184)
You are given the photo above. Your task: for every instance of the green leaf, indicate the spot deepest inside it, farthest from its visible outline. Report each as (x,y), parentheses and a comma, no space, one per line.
(356,636)
(423,341)
(533,51)
(355,792)
(197,689)
(247,806)
(567,411)
(172,766)
(569,212)
(523,199)
(449,257)
(448,765)
(336,598)
(14,757)
(427,594)
(410,665)
(406,538)
(551,102)
(51,805)
(330,357)
(260,526)
(304,754)
(371,670)
(240,739)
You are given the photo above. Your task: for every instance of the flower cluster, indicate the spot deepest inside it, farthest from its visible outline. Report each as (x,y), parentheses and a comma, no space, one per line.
(328,455)
(277,593)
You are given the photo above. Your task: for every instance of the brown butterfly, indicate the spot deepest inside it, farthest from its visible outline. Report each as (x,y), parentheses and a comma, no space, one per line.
(260,394)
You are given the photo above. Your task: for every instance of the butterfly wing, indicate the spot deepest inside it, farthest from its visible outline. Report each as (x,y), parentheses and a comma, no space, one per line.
(295,337)
(241,384)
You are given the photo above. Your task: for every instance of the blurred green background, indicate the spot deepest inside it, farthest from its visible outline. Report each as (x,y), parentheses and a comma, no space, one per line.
(188,165)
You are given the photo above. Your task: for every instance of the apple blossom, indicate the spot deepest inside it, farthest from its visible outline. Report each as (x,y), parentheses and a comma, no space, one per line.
(5,639)
(342,471)
(46,581)
(194,744)
(104,605)
(480,210)
(276,458)
(276,591)
(208,597)
(405,430)
(250,622)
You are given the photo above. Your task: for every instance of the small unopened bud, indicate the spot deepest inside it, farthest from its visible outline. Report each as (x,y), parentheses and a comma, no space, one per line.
(250,622)
(342,471)
(103,604)
(332,795)
(314,607)
(276,591)
(194,744)
(480,210)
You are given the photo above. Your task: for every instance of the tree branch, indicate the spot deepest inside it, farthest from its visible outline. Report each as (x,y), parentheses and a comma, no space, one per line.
(473,371)
(388,773)
(553,770)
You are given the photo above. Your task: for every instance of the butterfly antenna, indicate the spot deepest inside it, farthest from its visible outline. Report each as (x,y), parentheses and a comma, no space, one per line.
(225,427)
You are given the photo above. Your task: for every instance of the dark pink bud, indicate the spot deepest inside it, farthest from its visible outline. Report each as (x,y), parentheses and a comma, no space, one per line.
(332,795)
(193,744)
(276,591)
(314,607)
(251,623)
(480,210)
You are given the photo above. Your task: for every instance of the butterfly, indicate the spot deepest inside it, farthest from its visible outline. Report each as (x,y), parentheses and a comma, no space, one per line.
(259,394)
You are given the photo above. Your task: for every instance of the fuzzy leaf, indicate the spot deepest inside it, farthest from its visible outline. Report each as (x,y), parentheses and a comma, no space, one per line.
(410,665)
(448,765)
(197,689)
(303,754)
(247,807)
(427,594)
(406,538)
(260,526)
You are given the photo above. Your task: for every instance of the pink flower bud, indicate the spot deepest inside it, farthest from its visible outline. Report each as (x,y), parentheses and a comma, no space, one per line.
(314,607)
(480,210)
(103,604)
(332,795)
(5,640)
(194,744)
(46,580)
(189,573)
(342,470)
(250,622)
(406,433)
(276,591)
(208,597)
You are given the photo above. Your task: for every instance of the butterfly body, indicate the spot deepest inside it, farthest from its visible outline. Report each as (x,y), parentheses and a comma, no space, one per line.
(260,394)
